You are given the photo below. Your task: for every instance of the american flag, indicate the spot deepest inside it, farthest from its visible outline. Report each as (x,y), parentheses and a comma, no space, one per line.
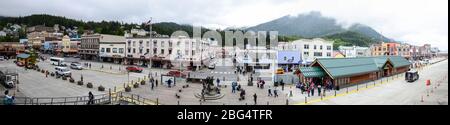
(149,22)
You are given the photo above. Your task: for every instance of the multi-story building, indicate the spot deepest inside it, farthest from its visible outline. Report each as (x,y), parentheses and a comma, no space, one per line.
(414,52)
(354,51)
(167,52)
(68,46)
(313,48)
(404,50)
(11,49)
(385,48)
(425,51)
(37,35)
(89,46)
(112,48)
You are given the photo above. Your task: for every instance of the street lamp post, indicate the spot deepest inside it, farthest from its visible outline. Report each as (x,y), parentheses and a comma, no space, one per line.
(180,59)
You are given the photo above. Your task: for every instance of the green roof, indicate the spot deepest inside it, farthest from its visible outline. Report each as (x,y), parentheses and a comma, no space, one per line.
(398,61)
(311,72)
(342,67)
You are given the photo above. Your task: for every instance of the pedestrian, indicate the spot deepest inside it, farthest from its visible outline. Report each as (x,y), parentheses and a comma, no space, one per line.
(169,82)
(282,85)
(9,100)
(203,94)
(255,98)
(242,95)
(269,91)
(152,85)
(312,89)
(319,89)
(218,82)
(91,98)
(308,89)
(89,65)
(302,89)
(233,87)
(275,92)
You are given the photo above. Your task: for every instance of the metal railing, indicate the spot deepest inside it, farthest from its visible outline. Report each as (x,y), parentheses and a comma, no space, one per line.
(102,99)
(78,100)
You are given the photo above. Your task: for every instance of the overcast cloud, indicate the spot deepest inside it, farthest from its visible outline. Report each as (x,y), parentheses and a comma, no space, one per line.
(415,21)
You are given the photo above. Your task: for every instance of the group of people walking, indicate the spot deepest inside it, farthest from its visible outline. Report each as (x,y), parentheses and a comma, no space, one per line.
(309,87)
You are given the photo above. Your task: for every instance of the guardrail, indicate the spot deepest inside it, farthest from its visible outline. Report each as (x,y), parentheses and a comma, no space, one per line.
(103,99)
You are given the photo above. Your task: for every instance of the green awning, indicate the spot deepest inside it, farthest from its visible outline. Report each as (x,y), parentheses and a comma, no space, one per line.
(312,72)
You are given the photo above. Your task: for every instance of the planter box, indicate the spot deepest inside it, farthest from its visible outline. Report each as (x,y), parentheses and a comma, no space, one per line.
(127,89)
(89,85)
(80,83)
(101,88)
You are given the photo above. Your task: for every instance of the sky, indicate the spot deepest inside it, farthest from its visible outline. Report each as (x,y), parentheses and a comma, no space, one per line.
(414,21)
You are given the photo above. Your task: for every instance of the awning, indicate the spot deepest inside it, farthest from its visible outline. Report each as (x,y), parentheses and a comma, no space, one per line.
(23,56)
(312,72)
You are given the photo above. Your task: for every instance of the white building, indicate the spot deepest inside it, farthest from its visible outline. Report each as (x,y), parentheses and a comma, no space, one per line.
(312,48)
(167,52)
(112,48)
(354,51)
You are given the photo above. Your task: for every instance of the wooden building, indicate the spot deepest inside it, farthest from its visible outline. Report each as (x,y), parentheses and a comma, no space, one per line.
(349,71)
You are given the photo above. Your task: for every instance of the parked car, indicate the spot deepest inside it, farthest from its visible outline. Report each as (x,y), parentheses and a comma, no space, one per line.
(212,66)
(20,64)
(175,73)
(8,79)
(411,76)
(2,58)
(63,71)
(76,65)
(134,69)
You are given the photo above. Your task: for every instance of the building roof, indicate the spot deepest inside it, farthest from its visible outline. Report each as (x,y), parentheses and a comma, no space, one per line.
(310,72)
(111,39)
(338,54)
(342,67)
(397,61)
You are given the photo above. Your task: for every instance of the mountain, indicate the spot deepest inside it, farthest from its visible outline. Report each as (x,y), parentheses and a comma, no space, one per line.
(313,24)
(350,38)
(310,25)
(368,31)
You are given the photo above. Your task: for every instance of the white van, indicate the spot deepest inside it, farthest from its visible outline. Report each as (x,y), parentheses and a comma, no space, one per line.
(63,71)
(57,61)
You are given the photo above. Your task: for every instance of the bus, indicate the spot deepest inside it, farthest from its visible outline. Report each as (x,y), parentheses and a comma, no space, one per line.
(56,61)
